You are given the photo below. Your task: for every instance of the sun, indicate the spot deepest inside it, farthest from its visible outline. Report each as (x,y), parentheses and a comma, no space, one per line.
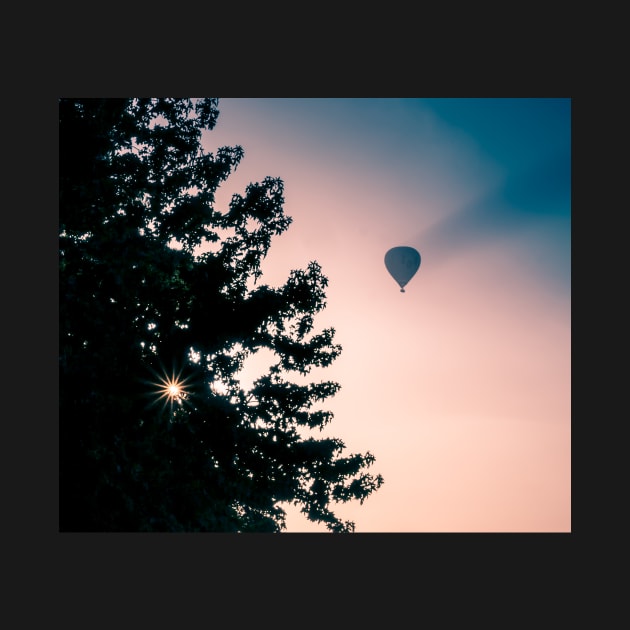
(169,389)
(172,388)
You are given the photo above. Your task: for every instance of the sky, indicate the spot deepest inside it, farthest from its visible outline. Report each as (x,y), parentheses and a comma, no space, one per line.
(460,386)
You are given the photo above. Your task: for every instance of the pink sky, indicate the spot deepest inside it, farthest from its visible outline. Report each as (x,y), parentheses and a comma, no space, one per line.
(461,386)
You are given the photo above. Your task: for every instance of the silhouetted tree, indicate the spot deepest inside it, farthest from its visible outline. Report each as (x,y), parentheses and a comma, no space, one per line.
(142,306)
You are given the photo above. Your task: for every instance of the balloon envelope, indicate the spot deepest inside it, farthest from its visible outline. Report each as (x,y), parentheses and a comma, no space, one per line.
(402,263)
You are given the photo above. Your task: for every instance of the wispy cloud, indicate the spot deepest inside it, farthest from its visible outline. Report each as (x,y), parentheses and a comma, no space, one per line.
(534,204)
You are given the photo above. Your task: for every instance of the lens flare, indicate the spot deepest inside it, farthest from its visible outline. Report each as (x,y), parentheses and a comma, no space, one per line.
(172,389)
(169,389)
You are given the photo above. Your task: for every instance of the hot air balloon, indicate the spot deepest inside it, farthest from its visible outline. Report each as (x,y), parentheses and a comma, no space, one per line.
(402,263)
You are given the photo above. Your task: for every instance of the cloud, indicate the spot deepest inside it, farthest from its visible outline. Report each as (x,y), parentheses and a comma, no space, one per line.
(530,209)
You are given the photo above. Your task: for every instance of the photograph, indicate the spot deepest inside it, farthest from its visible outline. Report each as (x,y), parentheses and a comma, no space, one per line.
(315,315)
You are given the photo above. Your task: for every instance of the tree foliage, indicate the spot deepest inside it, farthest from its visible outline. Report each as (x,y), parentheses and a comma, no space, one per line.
(157,286)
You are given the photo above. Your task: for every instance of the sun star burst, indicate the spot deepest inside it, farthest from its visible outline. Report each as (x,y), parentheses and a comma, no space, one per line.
(168,388)
(172,388)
